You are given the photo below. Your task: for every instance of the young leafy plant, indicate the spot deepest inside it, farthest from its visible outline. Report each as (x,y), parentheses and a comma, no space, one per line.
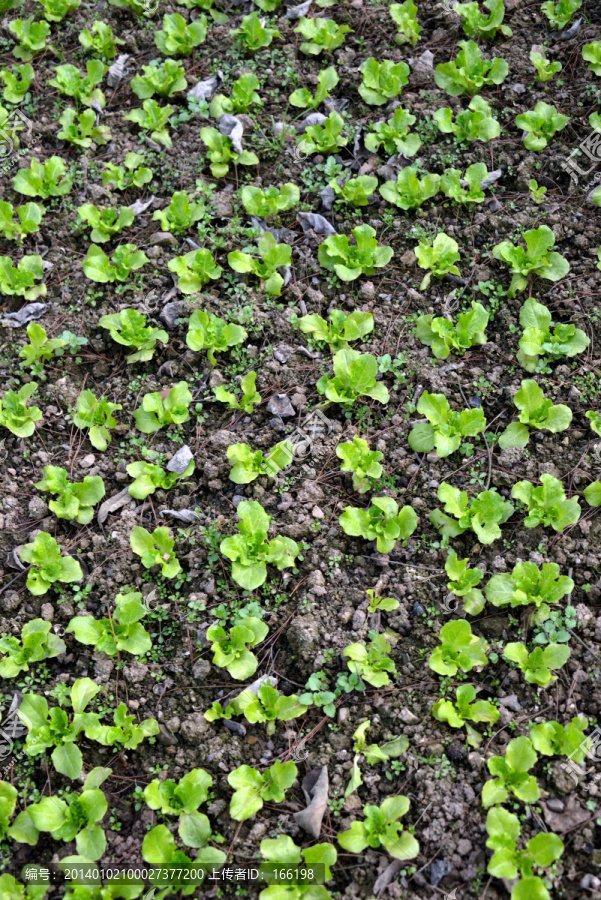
(382,522)
(404,15)
(248,465)
(253,35)
(122,631)
(535,412)
(82,130)
(393,136)
(19,280)
(354,377)
(341,328)
(545,69)
(100,40)
(36,643)
(165,78)
(47,566)
(508,862)
(155,549)
(361,461)
(70,82)
(194,269)
(410,191)
(248,397)
(221,152)
(445,337)
(381,828)
(40,347)
(464,711)
(31,37)
(536,259)
(48,179)
(511,775)
(252,789)
(326,82)
(230,648)
(105,222)
(129,328)
(180,215)
(251,551)
(439,256)
(540,124)
(542,340)
(15,415)
(267,705)
(76,500)
(184,874)
(131,174)
(459,649)
(324,138)
(56,10)
(179,38)
(157,411)
(149,478)
(464,583)
(182,799)
(527,585)
(273,257)
(269,201)
(466,189)
(349,262)
(152,118)
(468,73)
(29,218)
(591,53)
(283,851)
(547,505)
(385,604)
(477,24)
(99,267)
(538,666)
(476,123)
(382,81)
(320,35)
(553,739)
(371,662)
(17,84)
(483,514)
(355,191)
(244,95)
(559,12)
(206,331)
(97,415)
(445,429)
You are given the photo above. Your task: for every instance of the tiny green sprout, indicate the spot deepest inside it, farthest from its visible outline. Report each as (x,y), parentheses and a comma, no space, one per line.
(445,428)
(252,35)
(149,478)
(221,152)
(404,15)
(230,648)
(382,828)
(468,73)
(410,191)
(153,119)
(559,12)
(316,694)
(509,863)
(15,415)
(194,269)
(381,521)
(248,465)
(156,411)
(268,202)
(545,70)
(36,644)
(445,337)
(459,649)
(206,331)
(476,123)
(47,566)
(76,499)
(252,789)
(483,514)
(132,173)
(100,40)
(81,129)
(354,377)
(536,259)
(464,583)
(17,84)
(29,218)
(466,189)
(40,346)
(272,257)
(129,328)
(320,35)
(393,136)
(155,549)
(540,124)
(19,280)
(439,256)
(246,400)
(244,95)
(371,662)
(385,604)
(267,705)
(510,775)
(464,711)
(477,24)
(177,38)
(97,415)
(349,262)
(31,37)
(70,82)
(339,330)
(182,799)
(553,739)
(126,258)
(121,632)
(547,505)
(535,412)
(361,461)
(355,191)
(537,191)
(48,179)
(527,585)
(250,551)
(595,420)
(105,222)
(326,82)
(591,53)
(180,215)
(538,665)
(165,78)
(542,339)
(373,753)
(324,138)
(382,81)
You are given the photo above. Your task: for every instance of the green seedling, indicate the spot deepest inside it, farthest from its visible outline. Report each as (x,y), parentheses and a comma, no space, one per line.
(371,662)
(381,522)
(320,35)
(126,258)
(17,82)
(466,189)
(81,129)
(339,330)
(206,331)
(591,53)
(483,514)
(29,218)
(324,138)
(149,478)
(536,412)
(464,711)
(553,739)
(70,82)
(105,222)
(131,174)
(381,828)
(121,632)
(56,10)
(244,95)
(383,604)
(537,191)
(547,505)
(545,69)
(272,257)
(540,124)
(247,465)
(537,666)
(36,644)
(445,429)
(468,73)
(355,191)
(479,25)
(31,37)
(508,862)
(349,262)
(267,705)
(129,329)
(354,377)
(164,78)
(194,270)
(361,461)
(97,415)
(19,280)
(155,549)
(283,851)
(459,649)
(326,82)
(268,202)
(439,256)
(510,775)
(410,191)
(251,551)
(153,119)
(180,215)
(230,648)
(100,40)
(382,81)
(177,38)
(536,259)
(464,583)
(76,500)
(476,123)
(47,566)
(252,789)
(182,799)
(444,337)
(393,136)
(246,400)
(157,411)
(40,346)
(252,35)
(221,152)
(48,179)
(559,12)
(542,340)
(527,585)
(404,15)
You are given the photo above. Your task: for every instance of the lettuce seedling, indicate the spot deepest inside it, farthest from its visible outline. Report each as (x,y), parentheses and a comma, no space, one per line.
(17,84)
(371,662)
(182,799)
(460,714)
(381,522)
(69,817)
(459,649)
(545,70)
(595,421)
(251,551)
(126,258)
(355,191)
(361,461)
(150,478)
(180,215)
(252,789)
(541,338)
(122,631)
(405,16)
(248,465)
(511,776)
(373,753)
(381,828)
(155,549)
(19,280)
(105,222)
(341,328)
(131,174)
(179,38)
(244,95)
(321,35)
(540,124)
(324,138)
(483,514)
(283,851)
(70,82)
(354,377)
(97,415)
(273,256)
(81,129)
(326,82)
(375,604)
(409,191)
(253,35)
(31,37)
(547,505)
(439,256)
(158,848)
(220,152)
(349,262)
(48,179)
(164,78)
(8,803)
(468,73)
(445,428)
(129,328)
(206,331)
(382,81)
(553,739)
(267,705)
(47,566)
(538,665)
(125,731)
(464,583)
(56,10)
(467,189)
(153,119)
(157,411)
(591,53)
(244,401)
(100,40)
(36,643)
(478,25)
(29,218)
(393,136)
(194,270)
(508,862)
(76,500)
(527,585)
(267,202)
(40,347)
(536,259)
(230,648)
(443,336)
(536,412)
(476,123)
(316,694)
(592,493)
(559,12)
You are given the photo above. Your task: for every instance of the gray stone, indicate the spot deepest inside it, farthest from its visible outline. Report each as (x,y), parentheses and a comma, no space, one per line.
(194,726)
(179,461)
(280,405)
